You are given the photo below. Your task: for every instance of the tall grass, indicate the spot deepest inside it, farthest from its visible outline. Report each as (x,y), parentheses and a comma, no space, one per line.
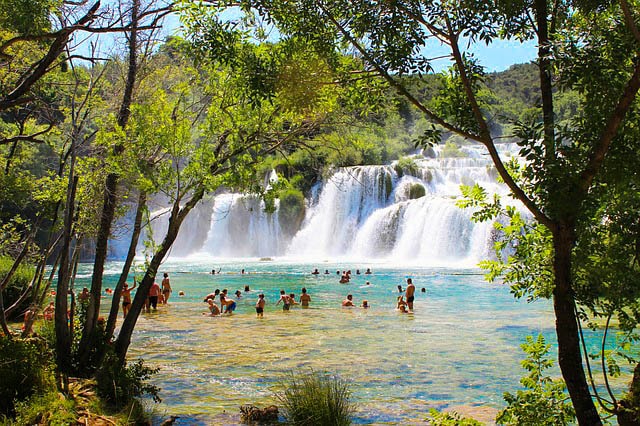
(316,399)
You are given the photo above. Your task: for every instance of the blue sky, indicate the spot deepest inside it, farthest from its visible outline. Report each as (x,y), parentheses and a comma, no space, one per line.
(500,55)
(497,56)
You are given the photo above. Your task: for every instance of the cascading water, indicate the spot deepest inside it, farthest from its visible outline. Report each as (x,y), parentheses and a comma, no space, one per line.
(240,228)
(361,212)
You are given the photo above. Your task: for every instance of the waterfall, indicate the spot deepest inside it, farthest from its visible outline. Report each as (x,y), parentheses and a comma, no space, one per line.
(240,227)
(361,212)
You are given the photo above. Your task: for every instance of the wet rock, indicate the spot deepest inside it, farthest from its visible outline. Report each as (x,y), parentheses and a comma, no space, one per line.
(170,421)
(251,414)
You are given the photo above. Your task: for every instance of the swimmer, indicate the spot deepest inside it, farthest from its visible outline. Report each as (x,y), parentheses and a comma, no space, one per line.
(286,303)
(368,271)
(423,290)
(365,304)
(84,295)
(348,301)
(48,312)
(181,293)
(229,305)
(305,298)
(154,295)
(260,306)
(401,305)
(315,272)
(126,297)
(214,310)
(292,298)
(166,288)
(400,290)
(212,295)
(247,289)
(410,292)
(238,294)
(326,272)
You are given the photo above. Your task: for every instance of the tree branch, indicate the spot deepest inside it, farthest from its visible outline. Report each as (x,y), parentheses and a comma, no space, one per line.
(629,19)
(394,83)
(611,129)
(55,50)
(23,138)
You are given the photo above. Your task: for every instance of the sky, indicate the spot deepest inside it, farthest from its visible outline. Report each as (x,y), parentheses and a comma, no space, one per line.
(498,56)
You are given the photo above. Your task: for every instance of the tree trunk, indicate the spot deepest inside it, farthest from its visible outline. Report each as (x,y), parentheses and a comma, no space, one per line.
(109,202)
(3,319)
(175,221)
(63,333)
(569,355)
(137,228)
(628,411)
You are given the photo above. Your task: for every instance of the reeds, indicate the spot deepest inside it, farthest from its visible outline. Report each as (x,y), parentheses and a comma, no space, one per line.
(315,399)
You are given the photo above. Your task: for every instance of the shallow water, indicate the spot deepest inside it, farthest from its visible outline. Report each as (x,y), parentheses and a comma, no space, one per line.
(459,349)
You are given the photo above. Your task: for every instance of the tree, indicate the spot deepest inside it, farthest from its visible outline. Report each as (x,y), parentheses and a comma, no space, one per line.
(208,130)
(592,47)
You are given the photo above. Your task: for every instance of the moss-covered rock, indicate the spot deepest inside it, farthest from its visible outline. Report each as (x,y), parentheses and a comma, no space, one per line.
(388,185)
(417,190)
(451,150)
(407,166)
(291,210)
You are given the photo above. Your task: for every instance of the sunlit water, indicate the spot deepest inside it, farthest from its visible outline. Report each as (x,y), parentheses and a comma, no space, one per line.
(458,350)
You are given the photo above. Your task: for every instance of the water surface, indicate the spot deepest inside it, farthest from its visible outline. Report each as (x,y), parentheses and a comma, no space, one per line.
(458,350)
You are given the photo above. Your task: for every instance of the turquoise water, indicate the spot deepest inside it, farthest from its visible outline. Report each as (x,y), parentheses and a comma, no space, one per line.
(459,349)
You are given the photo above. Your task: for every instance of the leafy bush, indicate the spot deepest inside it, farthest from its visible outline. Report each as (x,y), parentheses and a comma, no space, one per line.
(18,283)
(119,385)
(450,419)
(316,399)
(47,409)
(25,371)
(544,401)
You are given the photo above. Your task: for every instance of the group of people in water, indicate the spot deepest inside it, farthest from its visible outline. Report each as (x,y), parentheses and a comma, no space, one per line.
(345,276)
(227,305)
(221,303)
(158,293)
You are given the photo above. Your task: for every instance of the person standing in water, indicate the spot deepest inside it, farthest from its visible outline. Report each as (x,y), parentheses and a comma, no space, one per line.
(126,297)
(410,293)
(292,299)
(154,294)
(286,302)
(260,306)
(166,288)
(305,298)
